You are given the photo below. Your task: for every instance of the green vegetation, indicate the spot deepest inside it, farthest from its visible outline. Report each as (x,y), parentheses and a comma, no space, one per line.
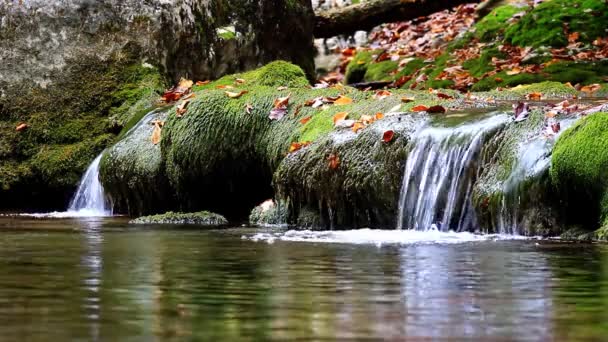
(201,218)
(494,24)
(579,170)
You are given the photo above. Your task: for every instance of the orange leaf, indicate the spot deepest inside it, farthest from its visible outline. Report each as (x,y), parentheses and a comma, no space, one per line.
(156,133)
(573,37)
(334,161)
(407,99)
(281,101)
(514,71)
(295,146)
(388,136)
(379,116)
(420,108)
(305,120)
(550,115)
(592,88)
(202,83)
(182,108)
(21,127)
(224,87)
(358,126)
(340,116)
(436,109)
(366,119)
(534,96)
(343,100)
(239,81)
(234,95)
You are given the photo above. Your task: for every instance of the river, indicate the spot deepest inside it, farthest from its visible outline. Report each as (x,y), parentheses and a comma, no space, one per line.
(101,279)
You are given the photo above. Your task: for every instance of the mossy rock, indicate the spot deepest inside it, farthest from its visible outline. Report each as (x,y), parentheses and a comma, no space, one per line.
(269,214)
(511,195)
(201,218)
(579,170)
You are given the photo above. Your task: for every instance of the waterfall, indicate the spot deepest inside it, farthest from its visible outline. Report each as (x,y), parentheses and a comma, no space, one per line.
(89,199)
(440,171)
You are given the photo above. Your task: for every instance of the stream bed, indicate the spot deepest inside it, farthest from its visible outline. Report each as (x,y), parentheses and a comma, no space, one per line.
(101,279)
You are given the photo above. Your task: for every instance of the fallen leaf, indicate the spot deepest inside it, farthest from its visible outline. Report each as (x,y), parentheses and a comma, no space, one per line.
(21,127)
(514,71)
(334,161)
(436,109)
(382,94)
(556,127)
(239,81)
(420,108)
(498,79)
(592,88)
(182,108)
(282,88)
(388,136)
(314,103)
(358,126)
(156,133)
(295,146)
(343,100)
(522,110)
(536,96)
(345,123)
(281,101)
(176,93)
(303,121)
(234,95)
(379,116)
(550,115)
(573,37)
(224,86)
(248,108)
(340,116)
(444,96)
(277,113)
(407,99)
(366,119)
(202,83)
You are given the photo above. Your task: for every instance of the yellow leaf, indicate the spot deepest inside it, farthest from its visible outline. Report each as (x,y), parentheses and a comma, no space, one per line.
(343,100)
(234,95)
(358,126)
(340,116)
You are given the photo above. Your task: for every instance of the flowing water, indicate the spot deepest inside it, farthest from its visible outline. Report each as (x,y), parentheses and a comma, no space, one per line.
(90,199)
(98,279)
(439,175)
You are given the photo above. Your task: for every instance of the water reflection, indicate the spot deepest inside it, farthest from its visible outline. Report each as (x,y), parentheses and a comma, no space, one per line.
(100,280)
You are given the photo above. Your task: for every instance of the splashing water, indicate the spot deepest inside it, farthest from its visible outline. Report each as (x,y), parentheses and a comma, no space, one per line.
(439,175)
(90,198)
(377,237)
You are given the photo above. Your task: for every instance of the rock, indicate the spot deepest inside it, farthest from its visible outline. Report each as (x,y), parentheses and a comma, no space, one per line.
(201,218)
(269,213)
(79,70)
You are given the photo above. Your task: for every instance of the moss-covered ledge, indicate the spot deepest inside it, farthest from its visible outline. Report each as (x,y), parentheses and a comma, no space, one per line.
(201,218)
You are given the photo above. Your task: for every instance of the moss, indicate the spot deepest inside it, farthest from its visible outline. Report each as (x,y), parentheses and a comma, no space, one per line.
(380,71)
(201,218)
(543,25)
(579,169)
(62,165)
(277,74)
(493,24)
(479,66)
(577,72)
(273,215)
(356,69)
(502,79)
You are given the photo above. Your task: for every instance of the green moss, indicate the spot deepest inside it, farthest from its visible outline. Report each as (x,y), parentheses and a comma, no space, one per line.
(479,66)
(380,71)
(201,218)
(492,82)
(62,165)
(494,23)
(577,72)
(579,169)
(543,25)
(356,69)
(318,125)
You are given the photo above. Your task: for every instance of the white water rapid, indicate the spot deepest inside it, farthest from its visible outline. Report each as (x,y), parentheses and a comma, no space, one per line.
(439,175)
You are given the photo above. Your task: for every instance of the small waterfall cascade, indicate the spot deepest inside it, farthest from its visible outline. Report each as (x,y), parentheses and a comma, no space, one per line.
(90,199)
(440,171)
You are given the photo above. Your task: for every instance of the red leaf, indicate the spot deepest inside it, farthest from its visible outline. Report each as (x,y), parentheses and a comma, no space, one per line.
(436,110)
(305,120)
(388,136)
(420,108)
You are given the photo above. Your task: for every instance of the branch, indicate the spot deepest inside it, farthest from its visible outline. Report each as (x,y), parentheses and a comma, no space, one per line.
(366,15)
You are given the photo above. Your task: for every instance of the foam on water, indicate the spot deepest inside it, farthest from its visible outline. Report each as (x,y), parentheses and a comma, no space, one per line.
(379,237)
(69,214)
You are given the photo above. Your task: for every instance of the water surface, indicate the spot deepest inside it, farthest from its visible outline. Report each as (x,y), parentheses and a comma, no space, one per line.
(99,279)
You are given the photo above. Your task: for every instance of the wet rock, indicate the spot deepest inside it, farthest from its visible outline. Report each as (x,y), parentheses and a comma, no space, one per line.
(269,213)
